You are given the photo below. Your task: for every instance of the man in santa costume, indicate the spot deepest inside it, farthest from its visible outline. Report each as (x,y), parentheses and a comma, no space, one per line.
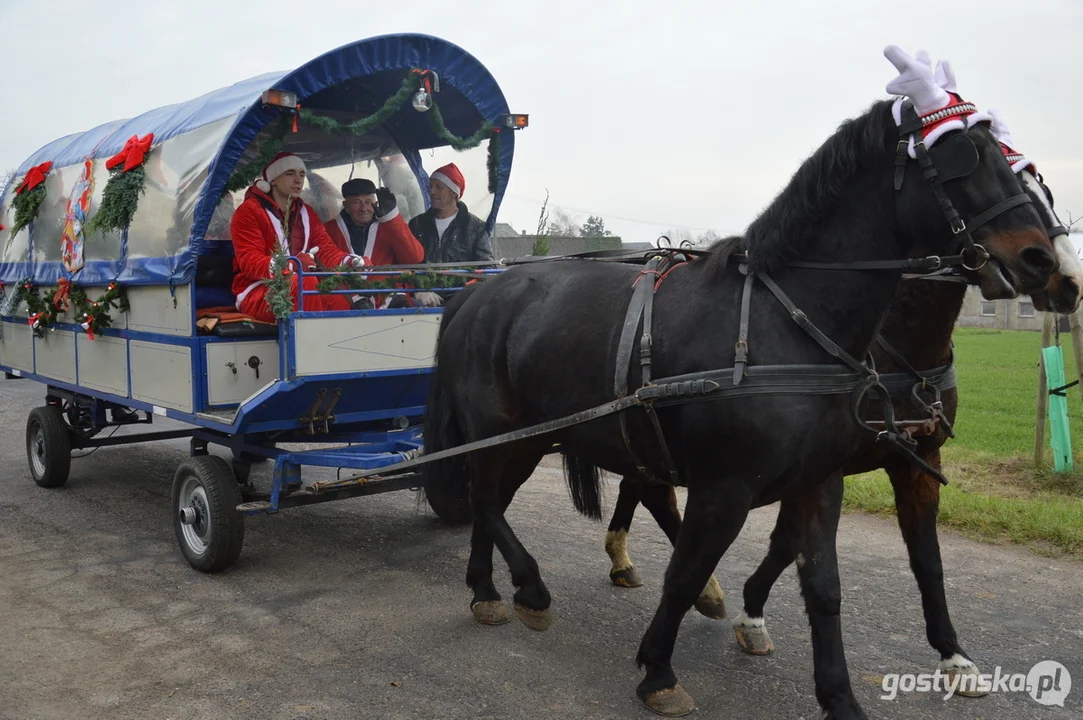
(370,225)
(257,231)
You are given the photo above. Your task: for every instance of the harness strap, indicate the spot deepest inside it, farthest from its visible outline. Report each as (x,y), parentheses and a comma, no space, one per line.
(740,360)
(645,343)
(1000,207)
(632,318)
(799,317)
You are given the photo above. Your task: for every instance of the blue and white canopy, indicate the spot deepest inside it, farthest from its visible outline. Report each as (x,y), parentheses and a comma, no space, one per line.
(198,144)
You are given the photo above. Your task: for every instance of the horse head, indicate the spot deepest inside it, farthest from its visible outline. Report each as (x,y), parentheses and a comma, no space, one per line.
(1065,287)
(991,220)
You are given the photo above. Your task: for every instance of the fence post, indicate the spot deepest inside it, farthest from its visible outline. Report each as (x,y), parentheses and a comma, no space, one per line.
(1077,349)
(1043,392)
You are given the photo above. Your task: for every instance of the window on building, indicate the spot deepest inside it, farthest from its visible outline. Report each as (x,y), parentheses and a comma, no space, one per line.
(1026,309)
(988,308)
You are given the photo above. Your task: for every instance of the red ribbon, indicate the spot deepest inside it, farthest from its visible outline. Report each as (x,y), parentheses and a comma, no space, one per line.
(133,154)
(296,112)
(32,321)
(60,297)
(35,177)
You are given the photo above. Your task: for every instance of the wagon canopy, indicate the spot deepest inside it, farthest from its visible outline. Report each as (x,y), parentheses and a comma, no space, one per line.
(199,144)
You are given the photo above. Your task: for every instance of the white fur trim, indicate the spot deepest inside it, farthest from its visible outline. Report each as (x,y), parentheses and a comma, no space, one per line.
(390,216)
(263,185)
(370,243)
(937,132)
(277,225)
(343,229)
(447,181)
(290,162)
(245,292)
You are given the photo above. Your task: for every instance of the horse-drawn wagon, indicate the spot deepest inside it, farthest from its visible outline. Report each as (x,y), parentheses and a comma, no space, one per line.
(117,261)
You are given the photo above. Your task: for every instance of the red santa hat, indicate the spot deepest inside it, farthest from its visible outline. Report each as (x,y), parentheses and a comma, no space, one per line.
(279,164)
(450,176)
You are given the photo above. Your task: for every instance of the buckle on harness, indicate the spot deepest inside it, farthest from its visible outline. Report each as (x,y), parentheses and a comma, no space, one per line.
(958,225)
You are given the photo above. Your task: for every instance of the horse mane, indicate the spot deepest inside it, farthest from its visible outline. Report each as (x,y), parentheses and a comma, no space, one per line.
(812,195)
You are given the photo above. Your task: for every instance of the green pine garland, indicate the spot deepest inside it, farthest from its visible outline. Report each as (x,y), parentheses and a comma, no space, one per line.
(243,176)
(346,277)
(279,297)
(95,313)
(26,207)
(40,312)
(119,200)
(366,125)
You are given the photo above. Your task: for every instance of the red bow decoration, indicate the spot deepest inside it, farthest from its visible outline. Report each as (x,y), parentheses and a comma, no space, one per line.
(60,297)
(34,319)
(88,325)
(133,154)
(35,177)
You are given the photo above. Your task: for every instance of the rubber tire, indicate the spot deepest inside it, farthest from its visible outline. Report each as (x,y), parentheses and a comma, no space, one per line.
(452,511)
(227,523)
(56,440)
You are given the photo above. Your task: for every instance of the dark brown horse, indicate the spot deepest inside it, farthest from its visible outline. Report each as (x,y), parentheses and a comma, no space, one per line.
(541,342)
(917,335)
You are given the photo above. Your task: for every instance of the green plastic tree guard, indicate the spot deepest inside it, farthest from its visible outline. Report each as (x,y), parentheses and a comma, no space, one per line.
(1060,440)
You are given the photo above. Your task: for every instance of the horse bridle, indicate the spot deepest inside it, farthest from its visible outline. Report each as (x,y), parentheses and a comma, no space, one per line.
(950,151)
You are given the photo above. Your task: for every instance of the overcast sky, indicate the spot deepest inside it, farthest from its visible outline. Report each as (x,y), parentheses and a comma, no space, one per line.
(654,115)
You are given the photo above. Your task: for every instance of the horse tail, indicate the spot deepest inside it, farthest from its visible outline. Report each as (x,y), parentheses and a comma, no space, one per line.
(445,483)
(585,485)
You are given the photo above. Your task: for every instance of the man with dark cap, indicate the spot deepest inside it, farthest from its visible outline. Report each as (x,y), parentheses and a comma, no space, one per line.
(370,225)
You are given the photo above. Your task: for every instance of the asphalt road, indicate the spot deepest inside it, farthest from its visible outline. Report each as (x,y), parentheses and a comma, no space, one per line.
(358,609)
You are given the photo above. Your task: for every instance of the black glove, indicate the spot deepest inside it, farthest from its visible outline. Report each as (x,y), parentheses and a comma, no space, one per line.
(385,202)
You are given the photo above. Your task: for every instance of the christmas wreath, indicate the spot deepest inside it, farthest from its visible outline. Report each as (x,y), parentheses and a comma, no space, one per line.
(29,196)
(127,181)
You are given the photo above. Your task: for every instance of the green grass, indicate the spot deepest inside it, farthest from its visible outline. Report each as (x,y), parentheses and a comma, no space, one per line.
(995,493)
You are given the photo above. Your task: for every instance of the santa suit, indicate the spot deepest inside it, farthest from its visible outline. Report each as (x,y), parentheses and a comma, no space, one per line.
(256,229)
(387,240)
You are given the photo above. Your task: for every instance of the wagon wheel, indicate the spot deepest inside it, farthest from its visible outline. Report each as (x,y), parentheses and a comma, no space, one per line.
(208,525)
(48,446)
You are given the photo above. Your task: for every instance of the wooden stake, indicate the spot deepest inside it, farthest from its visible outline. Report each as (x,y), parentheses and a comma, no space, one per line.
(1077,349)
(1043,393)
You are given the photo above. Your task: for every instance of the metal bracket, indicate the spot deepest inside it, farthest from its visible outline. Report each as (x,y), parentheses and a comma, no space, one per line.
(313,413)
(327,417)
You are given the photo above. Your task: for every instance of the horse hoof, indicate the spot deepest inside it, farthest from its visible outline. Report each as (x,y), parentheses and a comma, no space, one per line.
(628,577)
(491,612)
(752,635)
(534,619)
(671,702)
(712,607)
(969,682)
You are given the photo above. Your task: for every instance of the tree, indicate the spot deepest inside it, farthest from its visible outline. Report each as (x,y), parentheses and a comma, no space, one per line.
(707,237)
(594,227)
(563,225)
(676,237)
(6,177)
(541,237)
